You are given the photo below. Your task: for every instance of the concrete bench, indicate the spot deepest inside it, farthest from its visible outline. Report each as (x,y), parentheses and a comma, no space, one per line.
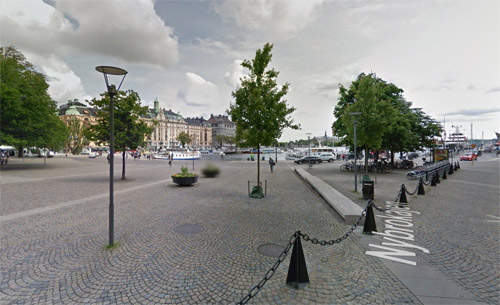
(347,209)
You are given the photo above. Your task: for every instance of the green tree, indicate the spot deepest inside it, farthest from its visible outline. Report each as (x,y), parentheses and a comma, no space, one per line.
(76,135)
(129,131)
(387,120)
(184,138)
(220,139)
(28,113)
(260,111)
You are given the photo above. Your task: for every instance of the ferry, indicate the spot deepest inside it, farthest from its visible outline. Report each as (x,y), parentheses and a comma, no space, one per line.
(179,155)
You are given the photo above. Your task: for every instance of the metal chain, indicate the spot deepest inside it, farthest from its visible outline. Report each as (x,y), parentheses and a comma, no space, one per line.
(316,241)
(269,274)
(385,209)
(412,193)
(398,196)
(430,181)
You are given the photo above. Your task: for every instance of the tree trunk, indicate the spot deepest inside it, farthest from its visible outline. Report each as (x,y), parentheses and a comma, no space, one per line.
(258,167)
(123,165)
(366,159)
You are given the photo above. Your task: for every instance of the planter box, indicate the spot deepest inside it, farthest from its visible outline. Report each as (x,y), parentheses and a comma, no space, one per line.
(185,181)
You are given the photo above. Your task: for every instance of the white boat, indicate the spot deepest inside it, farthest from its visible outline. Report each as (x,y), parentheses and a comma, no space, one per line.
(179,155)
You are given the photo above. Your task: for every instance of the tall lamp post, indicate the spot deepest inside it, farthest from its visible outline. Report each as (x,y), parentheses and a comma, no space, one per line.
(309,140)
(112,91)
(355,122)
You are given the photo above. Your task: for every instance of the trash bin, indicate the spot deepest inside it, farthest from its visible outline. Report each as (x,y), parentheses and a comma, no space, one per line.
(263,158)
(368,189)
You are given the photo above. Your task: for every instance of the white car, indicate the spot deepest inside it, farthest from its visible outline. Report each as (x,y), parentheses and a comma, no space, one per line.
(326,156)
(92,154)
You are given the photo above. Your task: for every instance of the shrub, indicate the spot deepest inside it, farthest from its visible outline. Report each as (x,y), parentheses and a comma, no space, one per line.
(184,173)
(210,170)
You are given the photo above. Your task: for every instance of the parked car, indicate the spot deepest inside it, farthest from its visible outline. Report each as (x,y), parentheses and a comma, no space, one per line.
(311,159)
(327,156)
(92,154)
(468,157)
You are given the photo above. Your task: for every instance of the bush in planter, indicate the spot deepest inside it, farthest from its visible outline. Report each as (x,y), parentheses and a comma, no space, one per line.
(210,171)
(184,177)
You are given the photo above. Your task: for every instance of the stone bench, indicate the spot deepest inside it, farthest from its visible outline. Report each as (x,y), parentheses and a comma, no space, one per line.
(347,209)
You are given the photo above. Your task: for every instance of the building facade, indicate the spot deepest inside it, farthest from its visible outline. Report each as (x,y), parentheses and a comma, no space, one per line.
(171,124)
(221,125)
(168,126)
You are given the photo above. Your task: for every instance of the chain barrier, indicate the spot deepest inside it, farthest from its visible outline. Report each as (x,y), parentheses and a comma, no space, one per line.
(315,241)
(412,193)
(398,196)
(385,209)
(269,274)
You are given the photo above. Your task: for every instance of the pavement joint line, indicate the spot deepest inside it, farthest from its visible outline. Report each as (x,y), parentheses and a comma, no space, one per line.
(475,183)
(32,212)
(25,179)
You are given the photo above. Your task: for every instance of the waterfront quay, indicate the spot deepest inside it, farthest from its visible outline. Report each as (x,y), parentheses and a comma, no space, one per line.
(211,243)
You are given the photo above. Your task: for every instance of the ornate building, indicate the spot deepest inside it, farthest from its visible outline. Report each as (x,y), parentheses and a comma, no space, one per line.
(170,124)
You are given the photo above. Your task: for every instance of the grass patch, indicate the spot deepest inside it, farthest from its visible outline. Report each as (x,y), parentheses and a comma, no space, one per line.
(111,247)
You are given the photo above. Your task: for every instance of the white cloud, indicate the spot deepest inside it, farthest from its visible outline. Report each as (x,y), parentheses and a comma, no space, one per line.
(199,92)
(132,33)
(281,17)
(234,74)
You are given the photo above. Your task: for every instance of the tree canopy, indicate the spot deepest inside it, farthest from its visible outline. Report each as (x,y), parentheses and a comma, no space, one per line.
(260,110)
(28,113)
(129,131)
(184,138)
(387,120)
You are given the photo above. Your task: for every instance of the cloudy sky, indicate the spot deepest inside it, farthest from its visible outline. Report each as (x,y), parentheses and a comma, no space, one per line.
(445,54)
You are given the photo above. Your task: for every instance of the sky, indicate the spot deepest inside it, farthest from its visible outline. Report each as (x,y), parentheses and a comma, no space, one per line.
(444,54)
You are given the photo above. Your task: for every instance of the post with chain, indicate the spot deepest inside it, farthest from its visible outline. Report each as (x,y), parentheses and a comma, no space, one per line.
(370,224)
(297,270)
(450,169)
(433,180)
(421,190)
(402,197)
(444,174)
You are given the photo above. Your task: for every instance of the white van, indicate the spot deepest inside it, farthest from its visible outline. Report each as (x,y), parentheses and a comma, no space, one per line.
(327,156)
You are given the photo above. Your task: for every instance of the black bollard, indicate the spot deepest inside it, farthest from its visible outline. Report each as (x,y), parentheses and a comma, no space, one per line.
(450,170)
(421,190)
(402,197)
(437,177)
(297,270)
(433,180)
(370,224)
(458,165)
(444,175)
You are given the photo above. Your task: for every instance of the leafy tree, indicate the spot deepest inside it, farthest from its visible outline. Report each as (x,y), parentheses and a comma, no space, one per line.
(387,120)
(28,113)
(76,136)
(260,110)
(129,131)
(184,138)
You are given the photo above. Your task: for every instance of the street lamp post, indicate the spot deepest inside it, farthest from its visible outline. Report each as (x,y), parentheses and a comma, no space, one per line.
(309,140)
(112,91)
(355,122)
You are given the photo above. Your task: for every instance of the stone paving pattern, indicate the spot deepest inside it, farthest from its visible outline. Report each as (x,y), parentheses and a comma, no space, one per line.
(57,257)
(453,224)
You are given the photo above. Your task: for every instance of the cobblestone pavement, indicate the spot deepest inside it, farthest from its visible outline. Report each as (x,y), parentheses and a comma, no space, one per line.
(459,222)
(57,256)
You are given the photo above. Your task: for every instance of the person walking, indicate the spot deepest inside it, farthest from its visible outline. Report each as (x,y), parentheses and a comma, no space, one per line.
(271,164)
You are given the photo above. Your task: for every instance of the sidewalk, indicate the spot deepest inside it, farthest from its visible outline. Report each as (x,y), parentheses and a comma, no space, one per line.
(429,285)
